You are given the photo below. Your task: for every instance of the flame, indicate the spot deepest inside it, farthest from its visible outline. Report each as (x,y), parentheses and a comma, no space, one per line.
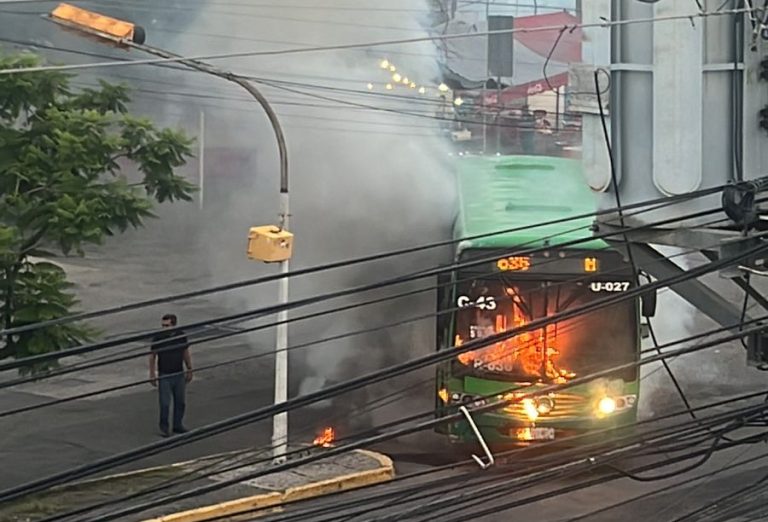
(528,353)
(326,438)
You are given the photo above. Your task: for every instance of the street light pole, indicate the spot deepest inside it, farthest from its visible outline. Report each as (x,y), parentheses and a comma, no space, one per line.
(279,421)
(130,35)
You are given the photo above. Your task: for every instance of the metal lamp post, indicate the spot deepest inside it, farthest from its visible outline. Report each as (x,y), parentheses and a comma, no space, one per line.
(278,243)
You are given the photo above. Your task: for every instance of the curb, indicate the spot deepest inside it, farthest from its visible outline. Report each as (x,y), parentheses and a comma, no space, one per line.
(384,473)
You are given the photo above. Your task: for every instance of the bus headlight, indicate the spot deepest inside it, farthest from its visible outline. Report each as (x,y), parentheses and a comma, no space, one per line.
(606,406)
(544,405)
(530,409)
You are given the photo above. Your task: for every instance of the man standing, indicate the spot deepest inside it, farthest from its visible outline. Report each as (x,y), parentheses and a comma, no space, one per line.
(170,352)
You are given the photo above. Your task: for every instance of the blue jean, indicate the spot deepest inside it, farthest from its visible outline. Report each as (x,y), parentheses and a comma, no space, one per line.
(172,386)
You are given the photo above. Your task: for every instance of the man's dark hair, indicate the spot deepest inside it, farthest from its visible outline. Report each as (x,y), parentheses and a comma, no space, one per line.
(170,317)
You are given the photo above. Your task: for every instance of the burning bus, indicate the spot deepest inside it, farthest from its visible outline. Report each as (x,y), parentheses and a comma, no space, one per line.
(507,286)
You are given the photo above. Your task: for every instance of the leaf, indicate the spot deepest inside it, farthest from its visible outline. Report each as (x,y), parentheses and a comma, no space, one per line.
(61,187)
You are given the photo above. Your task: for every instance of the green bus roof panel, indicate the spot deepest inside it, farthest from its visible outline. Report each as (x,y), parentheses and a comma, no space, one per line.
(505,192)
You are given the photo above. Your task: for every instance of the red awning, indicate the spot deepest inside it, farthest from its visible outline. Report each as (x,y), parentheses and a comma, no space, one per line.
(568,49)
(518,92)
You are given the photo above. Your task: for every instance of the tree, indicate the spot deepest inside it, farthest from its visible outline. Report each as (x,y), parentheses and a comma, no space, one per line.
(63,157)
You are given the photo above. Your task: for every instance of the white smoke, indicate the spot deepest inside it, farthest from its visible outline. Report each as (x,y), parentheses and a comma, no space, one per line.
(361,181)
(706,375)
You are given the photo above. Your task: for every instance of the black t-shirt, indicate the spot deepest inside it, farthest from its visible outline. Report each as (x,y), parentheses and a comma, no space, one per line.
(170,353)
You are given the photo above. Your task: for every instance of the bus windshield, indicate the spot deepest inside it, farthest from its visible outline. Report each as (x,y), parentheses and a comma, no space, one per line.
(571,348)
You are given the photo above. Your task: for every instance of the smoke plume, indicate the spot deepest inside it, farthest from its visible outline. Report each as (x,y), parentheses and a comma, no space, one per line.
(362,181)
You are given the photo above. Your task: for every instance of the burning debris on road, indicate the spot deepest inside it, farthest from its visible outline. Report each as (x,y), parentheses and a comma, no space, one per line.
(326,438)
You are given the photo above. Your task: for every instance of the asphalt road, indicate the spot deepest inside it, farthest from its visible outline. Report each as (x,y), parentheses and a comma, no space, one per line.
(622,499)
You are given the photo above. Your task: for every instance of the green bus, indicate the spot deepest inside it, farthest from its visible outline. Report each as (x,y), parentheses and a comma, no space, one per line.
(512,287)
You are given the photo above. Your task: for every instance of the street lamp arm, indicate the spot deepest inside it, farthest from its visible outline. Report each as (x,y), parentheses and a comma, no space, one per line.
(252,90)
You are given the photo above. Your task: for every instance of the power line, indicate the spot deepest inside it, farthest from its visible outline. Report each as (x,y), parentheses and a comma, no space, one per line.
(386,373)
(203,490)
(667,201)
(469,496)
(331,295)
(341,47)
(280,84)
(55,402)
(89,365)
(593,482)
(336,506)
(213,468)
(112,360)
(605,430)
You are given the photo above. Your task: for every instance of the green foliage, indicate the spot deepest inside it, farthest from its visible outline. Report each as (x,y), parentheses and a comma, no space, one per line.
(62,155)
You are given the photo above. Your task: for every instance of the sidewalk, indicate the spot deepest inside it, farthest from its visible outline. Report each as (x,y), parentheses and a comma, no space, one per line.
(344,472)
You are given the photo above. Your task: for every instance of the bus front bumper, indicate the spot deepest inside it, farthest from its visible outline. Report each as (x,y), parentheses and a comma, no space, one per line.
(500,429)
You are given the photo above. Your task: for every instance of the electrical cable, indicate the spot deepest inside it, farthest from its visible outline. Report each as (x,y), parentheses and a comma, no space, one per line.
(315,299)
(713,263)
(81,471)
(559,455)
(418,100)
(196,472)
(560,491)
(607,430)
(213,467)
(665,489)
(352,384)
(340,264)
(83,366)
(395,423)
(370,44)
(627,244)
(402,478)
(143,335)
(173,482)
(494,490)
(733,496)
(59,401)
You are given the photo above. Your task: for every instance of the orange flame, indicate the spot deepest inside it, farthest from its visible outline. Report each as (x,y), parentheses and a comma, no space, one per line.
(528,353)
(326,438)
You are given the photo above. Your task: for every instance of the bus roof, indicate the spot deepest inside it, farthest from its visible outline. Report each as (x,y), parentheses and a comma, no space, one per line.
(504,192)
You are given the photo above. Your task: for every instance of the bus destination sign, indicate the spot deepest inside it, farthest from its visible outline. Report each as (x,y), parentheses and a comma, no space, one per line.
(573,263)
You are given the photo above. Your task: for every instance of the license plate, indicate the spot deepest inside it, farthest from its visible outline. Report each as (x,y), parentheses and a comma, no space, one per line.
(533,433)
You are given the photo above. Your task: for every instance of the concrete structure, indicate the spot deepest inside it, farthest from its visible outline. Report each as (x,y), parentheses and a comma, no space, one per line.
(269,491)
(684,100)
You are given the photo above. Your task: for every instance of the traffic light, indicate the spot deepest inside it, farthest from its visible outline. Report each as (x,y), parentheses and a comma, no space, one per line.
(764,117)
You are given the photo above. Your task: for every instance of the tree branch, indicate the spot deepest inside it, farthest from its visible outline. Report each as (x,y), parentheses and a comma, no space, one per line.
(33,241)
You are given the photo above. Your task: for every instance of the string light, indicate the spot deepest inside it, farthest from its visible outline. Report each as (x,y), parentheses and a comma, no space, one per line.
(458,101)
(398,78)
